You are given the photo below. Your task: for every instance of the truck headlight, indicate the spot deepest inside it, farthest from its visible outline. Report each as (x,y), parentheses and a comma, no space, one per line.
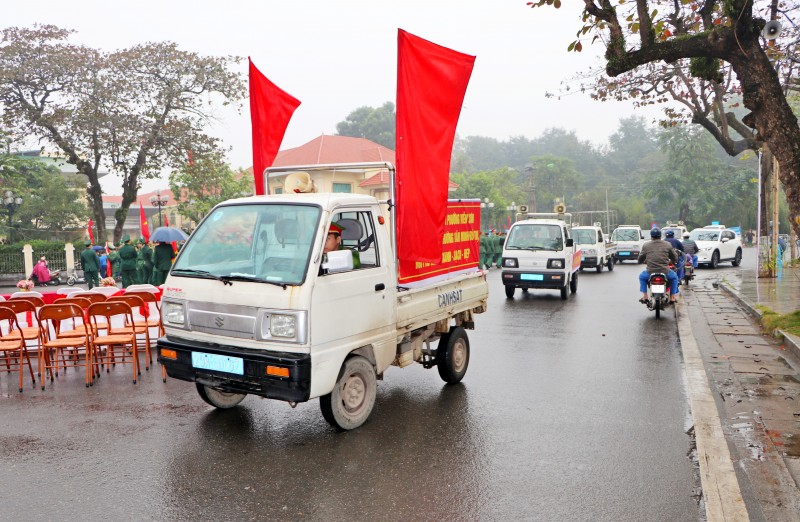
(555,263)
(590,252)
(283,325)
(510,262)
(173,313)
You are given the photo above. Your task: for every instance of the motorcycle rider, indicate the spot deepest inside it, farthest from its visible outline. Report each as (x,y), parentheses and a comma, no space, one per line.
(690,247)
(41,272)
(677,245)
(657,254)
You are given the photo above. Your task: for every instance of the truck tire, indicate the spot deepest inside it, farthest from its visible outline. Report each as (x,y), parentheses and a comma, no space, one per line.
(564,292)
(452,355)
(218,398)
(350,403)
(510,291)
(611,264)
(573,284)
(599,267)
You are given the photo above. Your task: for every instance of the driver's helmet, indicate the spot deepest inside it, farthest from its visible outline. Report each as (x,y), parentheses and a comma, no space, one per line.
(685,235)
(670,233)
(655,233)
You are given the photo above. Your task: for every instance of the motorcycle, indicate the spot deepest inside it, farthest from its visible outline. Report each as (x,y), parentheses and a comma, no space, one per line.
(75,278)
(55,279)
(688,271)
(657,292)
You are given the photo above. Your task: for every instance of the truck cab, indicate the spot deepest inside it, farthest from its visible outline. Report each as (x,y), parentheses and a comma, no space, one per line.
(539,253)
(629,240)
(596,252)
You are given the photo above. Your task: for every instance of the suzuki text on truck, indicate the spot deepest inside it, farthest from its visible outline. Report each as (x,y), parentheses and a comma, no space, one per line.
(252,305)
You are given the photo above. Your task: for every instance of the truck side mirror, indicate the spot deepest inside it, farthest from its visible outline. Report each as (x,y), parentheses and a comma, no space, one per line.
(569,242)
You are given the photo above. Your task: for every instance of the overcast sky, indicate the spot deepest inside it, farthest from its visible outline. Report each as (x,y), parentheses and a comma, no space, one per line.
(338,55)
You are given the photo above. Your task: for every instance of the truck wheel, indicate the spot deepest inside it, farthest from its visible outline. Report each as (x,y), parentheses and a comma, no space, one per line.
(218,398)
(350,403)
(599,267)
(564,292)
(510,291)
(573,284)
(611,264)
(452,355)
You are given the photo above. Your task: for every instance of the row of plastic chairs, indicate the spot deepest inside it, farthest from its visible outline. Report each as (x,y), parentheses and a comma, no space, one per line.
(85,329)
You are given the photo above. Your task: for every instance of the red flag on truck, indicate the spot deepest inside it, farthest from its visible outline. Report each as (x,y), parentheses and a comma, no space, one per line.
(270,112)
(431,84)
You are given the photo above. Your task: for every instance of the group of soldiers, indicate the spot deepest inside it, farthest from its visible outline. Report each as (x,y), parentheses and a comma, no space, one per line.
(134,263)
(491,245)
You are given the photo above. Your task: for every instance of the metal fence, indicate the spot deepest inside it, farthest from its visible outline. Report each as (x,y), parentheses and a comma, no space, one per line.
(12,264)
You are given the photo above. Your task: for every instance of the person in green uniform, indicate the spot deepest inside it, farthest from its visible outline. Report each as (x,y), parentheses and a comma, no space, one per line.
(163,254)
(127,254)
(145,257)
(499,240)
(484,250)
(91,265)
(113,258)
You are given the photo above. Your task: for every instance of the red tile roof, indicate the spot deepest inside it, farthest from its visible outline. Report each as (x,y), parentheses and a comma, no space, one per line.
(334,149)
(143,198)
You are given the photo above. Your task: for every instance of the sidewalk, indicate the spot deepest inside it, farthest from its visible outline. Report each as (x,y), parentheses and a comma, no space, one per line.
(781,294)
(755,382)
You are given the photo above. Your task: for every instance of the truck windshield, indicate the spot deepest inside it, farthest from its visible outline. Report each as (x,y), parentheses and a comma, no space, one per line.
(535,237)
(584,237)
(625,234)
(268,243)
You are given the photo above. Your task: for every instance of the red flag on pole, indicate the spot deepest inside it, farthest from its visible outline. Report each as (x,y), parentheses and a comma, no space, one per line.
(90,229)
(144,227)
(270,112)
(431,84)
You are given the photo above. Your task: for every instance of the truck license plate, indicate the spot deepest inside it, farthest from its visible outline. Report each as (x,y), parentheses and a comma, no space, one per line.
(532,277)
(218,363)
(658,289)
(624,253)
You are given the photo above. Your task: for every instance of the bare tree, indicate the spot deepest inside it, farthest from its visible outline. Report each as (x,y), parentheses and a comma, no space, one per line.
(134,112)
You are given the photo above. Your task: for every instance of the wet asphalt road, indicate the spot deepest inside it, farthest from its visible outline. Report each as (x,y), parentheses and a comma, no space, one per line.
(570,410)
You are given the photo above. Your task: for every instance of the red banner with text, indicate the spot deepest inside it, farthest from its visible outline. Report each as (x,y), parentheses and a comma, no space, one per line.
(460,246)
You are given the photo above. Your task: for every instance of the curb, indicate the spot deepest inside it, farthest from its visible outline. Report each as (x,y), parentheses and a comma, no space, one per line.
(791,342)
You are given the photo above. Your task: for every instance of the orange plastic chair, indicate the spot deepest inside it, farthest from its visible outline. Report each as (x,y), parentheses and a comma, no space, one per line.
(54,318)
(139,327)
(29,333)
(14,345)
(152,322)
(115,342)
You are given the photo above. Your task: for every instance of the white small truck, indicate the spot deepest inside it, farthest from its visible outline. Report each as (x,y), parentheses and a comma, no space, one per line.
(252,305)
(629,240)
(596,252)
(539,253)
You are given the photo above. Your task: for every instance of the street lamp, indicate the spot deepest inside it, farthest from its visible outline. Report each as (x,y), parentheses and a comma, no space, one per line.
(488,206)
(513,210)
(11,201)
(159,201)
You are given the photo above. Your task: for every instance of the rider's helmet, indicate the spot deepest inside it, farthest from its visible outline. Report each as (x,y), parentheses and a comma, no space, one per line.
(685,235)
(670,233)
(655,233)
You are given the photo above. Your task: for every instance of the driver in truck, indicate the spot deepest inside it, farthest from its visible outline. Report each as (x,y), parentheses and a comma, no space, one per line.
(334,242)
